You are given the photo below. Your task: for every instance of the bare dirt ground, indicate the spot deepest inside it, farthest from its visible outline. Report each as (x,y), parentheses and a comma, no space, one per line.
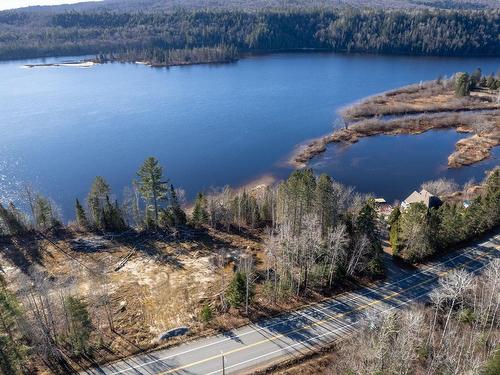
(137,286)
(149,283)
(416,109)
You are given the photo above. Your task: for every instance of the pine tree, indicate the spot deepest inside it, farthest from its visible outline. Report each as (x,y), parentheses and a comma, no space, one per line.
(11,221)
(12,349)
(366,221)
(81,217)
(96,200)
(178,214)
(200,213)
(393,221)
(490,82)
(325,202)
(415,233)
(80,325)
(206,314)
(151,184)
(475,78)
(44,213)
(113,217)
(462,84)
(237,290)
(297,197)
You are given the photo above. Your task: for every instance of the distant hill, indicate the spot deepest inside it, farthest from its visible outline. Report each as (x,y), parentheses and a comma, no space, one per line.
(169,5)
(194,31)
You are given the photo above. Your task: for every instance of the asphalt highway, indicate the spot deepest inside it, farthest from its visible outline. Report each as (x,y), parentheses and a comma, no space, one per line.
(299,332)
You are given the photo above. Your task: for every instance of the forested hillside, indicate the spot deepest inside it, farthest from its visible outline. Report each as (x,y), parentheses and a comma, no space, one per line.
(155,5)
(416,32)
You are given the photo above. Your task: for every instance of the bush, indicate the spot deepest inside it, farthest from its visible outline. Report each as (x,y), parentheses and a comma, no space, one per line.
(206,314)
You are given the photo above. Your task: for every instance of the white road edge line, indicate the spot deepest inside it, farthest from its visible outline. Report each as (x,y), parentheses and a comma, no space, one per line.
(324,334)
(428,268)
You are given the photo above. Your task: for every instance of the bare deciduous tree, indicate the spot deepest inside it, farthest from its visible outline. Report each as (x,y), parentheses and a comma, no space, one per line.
(440,187)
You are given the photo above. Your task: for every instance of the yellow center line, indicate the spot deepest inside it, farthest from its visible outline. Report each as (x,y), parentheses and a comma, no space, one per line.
(320,322)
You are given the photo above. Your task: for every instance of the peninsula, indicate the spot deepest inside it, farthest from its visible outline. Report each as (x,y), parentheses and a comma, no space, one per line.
(468,103)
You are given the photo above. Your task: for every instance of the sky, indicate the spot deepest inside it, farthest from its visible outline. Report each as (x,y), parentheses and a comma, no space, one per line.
(11,4)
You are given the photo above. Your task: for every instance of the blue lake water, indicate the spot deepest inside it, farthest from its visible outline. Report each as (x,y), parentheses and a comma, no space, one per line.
(211,125)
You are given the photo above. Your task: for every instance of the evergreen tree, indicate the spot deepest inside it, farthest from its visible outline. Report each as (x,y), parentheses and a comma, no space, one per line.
(151,184)
(393,221)
(81,217)
(475,78)
(366,225)
(490,82)
(113,217)
(206,314)
(325,202)
(236,293)
(297,198)
(12,349)
(394,215)
(415,233)
(178,214)
(96,200)
(200,213)
(44,213)
(366,221)
(448,221)
(11,222)
(80,325)
(462,84)
(491,201)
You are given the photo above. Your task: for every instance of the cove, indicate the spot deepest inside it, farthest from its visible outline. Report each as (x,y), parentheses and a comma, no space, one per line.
(210,125)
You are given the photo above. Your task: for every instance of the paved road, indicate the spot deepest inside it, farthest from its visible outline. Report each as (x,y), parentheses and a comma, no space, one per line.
(297,333)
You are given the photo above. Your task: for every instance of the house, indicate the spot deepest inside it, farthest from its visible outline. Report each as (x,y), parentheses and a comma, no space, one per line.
(424,197)
(382,207)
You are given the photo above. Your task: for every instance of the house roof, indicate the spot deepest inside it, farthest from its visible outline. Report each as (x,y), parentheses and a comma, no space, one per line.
(414,197)
(426,197)
(422,197)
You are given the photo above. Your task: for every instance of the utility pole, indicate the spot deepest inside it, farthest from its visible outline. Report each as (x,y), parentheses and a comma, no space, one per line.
(223,363)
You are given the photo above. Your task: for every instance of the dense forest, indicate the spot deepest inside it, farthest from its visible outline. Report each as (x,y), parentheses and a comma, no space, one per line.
(415,32)
(165,5)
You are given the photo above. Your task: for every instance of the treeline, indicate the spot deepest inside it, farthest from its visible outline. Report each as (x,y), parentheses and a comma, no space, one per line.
(415,32)
(319,231)
(465,82)
(168,57)
(419,232)
(324,232)
(150,203)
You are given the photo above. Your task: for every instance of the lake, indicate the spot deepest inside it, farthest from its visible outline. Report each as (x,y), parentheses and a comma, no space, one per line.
(212,125)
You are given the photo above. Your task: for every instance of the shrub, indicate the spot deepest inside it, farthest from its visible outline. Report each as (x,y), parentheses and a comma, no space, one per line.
(206,314)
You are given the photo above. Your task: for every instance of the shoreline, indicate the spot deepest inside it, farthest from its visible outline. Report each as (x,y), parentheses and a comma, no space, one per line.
(70,64)
(93,62)
(413,110)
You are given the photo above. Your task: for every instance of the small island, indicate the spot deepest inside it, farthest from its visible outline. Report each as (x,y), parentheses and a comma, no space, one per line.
(467,103)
